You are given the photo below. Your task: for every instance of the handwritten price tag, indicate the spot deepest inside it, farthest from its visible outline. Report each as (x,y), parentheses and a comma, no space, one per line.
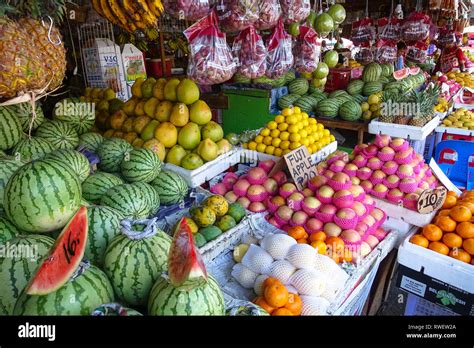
(300,166)
(431,200)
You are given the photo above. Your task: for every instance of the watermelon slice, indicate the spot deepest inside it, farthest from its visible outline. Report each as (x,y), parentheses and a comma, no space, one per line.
(64,257)
(186,268)
(401,74)
(414,70)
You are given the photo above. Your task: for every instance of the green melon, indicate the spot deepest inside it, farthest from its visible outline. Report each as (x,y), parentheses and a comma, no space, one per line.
(350,111)
(355,87)
(9,166)
(7,230)
(338,93)
(171,187)
(96,185)
(79,296)
(328,108)
(24,114)
(372,72)
(43,196)
(79,115)
(74,159)
(298,86)
(10,128)
(151,195)
(211,232)
(34,148)
(111,153)
(17,270)
(372,88)
(59,134)
(133,266)
(127,199)
(287,100)
(90,141)
(199,240)
(165,299)
(140,165)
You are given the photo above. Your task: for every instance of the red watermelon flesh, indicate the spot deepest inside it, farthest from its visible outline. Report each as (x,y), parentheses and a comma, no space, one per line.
(414,70)
(185,265)
(401,74)
(64,257)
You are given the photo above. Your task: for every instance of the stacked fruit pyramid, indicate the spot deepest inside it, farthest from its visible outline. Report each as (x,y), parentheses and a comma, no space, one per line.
(289,131)
(388,169)
(452,230)
(168,118)
(288,278)
(461,118)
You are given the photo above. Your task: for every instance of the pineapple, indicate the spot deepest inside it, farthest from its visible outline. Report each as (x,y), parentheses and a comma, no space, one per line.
(425,101)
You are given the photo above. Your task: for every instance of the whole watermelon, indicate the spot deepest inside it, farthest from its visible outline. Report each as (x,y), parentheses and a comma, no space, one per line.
(152,196)
(165,299)
(355,87)
(23,112)
(75,160)
(17,270)
(350,111)
(140,165)
(111,153)
(298,86)
(90,141)
(7,230)
(372,72)
(42,196)
(372,88)
(133,265)
(10,128)
(328,108)
(127,199)
(34,148)
(79,296)
(79,115)
(287,100)
(9,166)
(96,185)
(59,134)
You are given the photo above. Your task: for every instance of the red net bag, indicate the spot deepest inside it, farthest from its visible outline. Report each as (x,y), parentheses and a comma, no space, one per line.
(365,54)
(269,11)
(363,31)
(250,54)
(386,51)
(237,15)
(190,10)
(305,51)
(416,27)
(211,60)
(295,10)
(389,29)
(280,56)
(417,52)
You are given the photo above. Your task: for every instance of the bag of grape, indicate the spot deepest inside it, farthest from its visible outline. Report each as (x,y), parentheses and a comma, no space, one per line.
(280,56)
(386,51)
(189,10)
(363,32)
(250,54)
(305,51)
(389,28)
(295,10)
(416,27)
(210,61)
(417,53)
(365,54)
(237,15)
(269,11)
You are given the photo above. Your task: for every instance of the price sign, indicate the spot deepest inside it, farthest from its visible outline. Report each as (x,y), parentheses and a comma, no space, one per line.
(300,166)
(431,200)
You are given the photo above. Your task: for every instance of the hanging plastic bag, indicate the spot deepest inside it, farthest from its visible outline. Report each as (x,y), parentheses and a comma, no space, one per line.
(417,53)
(386,51)
(295,10)
(389,28)
(305,51)
(211,60)
(446,36)
(363,31)
(280,55)
(269,12)
(189,10)
(416,27)
(250,54)
(237,15)
(365,54)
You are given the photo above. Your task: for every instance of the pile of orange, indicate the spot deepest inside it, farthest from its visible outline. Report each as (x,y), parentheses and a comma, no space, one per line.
(277,301)
(333,247)
(452,230)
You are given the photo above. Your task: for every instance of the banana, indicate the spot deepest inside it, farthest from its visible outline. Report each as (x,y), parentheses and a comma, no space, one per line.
(121,16)
(147,16)
(156,7)
(97,7)
(108,12)
(130,7)
(152,34)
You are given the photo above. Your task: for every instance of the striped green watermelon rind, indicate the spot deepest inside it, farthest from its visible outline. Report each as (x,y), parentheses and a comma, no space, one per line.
(359,98)
(171,187)
(24,114)
(152,196)
(372,88)
(59,134)
(42,197)
(17,270)
(350,111)
(287,100)
(166,300)
(7,230)
(90,141)
(140,165)
(133,266)
(79,296)
(371,73)
(30,149)
(111,153)
(338,93)
(328,108)
(104,225)
(79,115)
(75,160)
(96,185)
(355,87)
(305,104)
(9,166)
(298,86)
(10,128)
(127,199)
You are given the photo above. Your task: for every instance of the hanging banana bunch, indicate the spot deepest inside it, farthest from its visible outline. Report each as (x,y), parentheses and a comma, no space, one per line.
(130,14)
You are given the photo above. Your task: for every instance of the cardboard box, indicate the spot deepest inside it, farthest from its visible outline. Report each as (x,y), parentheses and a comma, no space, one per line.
(133,65)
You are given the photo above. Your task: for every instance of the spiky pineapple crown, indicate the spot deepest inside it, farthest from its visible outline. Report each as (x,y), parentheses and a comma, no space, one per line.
(56,9)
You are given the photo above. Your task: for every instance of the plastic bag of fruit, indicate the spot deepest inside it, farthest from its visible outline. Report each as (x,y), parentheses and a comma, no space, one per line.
(389,28)
(237,15)
(365,54)
(305,51)
(386,51)
(269,11)
(446,36)
(211,60)
(416,27)
(190,10)
(363,31)
(250,54)
(295,10)
(280,55)
(418,52)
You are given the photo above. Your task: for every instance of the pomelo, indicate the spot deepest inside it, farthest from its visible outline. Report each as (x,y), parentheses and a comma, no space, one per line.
(200,113)
(189,136)
(187,92)
(167,134)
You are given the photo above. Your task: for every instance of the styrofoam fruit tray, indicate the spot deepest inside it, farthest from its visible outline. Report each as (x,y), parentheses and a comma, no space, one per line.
(452,130)
(403,131)
(406,215)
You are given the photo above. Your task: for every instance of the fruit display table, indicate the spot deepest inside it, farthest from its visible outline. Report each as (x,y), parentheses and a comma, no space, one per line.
(359,127)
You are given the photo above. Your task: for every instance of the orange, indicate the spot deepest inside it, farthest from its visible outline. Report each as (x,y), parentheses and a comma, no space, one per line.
(469,205)
(418,239)
(460,255)
(467,194)
(335,243)
(320,247)
(262,303)
(439,248)
(432,232)
(302,241)
(294,305)
(276,295)
(452,240)
(449,202)
(318,236)
(452,193)
(444,212)
(297,232)
(446,223)
(468,245)
(270,281)
(465,229)
(282,312)
(460,213)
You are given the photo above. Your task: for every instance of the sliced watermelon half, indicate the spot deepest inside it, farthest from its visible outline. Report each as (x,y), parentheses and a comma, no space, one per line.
(64,257)
(414,70)
(186,268)
(401,74)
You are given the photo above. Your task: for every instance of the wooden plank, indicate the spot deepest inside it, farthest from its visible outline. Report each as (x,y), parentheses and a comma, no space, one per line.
(359,127)
(216,100)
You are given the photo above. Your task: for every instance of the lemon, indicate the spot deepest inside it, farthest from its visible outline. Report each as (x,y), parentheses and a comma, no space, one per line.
(320,127)
(293,128)
(278,152)
(283,127)
(326,133)
(291,119)
(305,142)
(270,150)
(294,145)
(272,125)
(275,133)
(268,140)
(276,142)
(310,150)
(374,107)
(305,116)
(265,132)
(297,110)
(306,123)
(259,139)
(365,106)
(287,112)
(252,145)
(374,99)
(303,133)
(285,152)
(299,117)
(280,119)
(312,121)
(314,128)
(284,135)
(295,137)
(285,145)
(311,140)
(261,147)
(332,138)
(316,136)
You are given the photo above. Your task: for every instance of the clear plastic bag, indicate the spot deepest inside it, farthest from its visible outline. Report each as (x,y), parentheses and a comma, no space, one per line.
(363,31)
(386,51)
(269,11)
(295,10)
(237,15)
(211,60)
(250,54)
(365,55)
(280,55)
(416,27)
(446,36)
(389,29)
(418,52)
(305,51)
(190,10)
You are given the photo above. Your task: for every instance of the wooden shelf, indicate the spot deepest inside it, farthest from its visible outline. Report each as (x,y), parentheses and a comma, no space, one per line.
(358,127)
